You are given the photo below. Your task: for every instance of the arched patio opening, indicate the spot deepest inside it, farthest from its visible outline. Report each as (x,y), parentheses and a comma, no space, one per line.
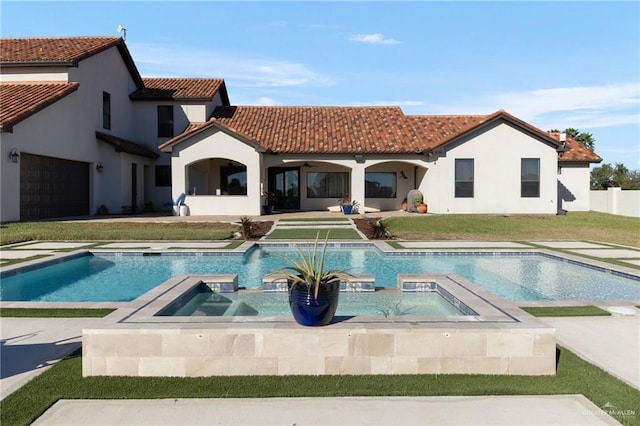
(216,176)
(387,183)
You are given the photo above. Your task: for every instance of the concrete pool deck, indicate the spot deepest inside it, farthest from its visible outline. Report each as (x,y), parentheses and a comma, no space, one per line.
(46,344)
(610,343)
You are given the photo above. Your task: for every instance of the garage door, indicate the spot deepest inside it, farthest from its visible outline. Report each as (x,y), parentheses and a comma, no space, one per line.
(52,187)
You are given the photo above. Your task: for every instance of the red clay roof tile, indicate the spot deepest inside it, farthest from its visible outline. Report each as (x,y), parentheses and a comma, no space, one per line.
(180,89)
(318,129)
(575,151)
(54,50)
(21,100)
(340,130)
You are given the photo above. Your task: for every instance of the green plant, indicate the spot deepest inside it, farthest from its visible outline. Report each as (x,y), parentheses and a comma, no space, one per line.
(380,231)
(245,227)
(418,200)
(308,269)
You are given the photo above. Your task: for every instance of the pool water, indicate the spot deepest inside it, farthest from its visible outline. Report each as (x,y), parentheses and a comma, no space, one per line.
(203,302)
(515,277)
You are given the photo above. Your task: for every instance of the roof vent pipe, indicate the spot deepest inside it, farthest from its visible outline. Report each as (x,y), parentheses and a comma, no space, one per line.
(563,139)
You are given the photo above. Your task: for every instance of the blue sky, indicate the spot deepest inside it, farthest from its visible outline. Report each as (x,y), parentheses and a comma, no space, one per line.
(552,64)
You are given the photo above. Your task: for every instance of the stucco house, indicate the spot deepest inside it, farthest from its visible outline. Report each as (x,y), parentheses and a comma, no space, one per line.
(80,129)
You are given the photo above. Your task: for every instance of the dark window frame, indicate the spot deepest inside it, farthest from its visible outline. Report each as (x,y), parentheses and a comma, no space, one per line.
(106,110)
(373,191)
(529,182)
(163,175)
(165,121)
(464,187)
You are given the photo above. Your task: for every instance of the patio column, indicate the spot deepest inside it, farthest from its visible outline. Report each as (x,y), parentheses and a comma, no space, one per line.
(357,183)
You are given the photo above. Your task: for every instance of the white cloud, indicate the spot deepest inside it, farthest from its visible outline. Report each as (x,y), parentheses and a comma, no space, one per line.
(168,60)
(389,103)
(578,107)
(265,101)
(376,38)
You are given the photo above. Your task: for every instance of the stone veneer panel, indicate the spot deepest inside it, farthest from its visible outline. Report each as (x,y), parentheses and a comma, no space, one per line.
(336,349)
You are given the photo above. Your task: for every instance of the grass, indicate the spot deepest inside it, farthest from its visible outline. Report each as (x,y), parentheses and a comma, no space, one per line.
(307,219)
(566,311)
(310,234)
(64,381)
(54,312)
(575,226)
(580,226)
(17,232)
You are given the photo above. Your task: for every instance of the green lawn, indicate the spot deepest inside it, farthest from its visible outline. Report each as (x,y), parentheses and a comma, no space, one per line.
(566,311)
(311,233)
(105,231)
(55,312)
(65,381)
(575,226)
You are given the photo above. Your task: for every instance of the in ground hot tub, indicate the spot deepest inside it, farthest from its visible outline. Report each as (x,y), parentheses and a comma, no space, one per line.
(485,335)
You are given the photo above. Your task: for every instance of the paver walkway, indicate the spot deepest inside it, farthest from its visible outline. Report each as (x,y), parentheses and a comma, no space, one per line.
(488,410)
(318,224)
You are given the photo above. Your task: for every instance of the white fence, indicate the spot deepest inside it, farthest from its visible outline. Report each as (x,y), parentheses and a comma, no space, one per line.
(616,201)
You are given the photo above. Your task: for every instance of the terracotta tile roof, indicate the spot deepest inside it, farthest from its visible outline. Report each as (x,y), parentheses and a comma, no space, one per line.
(180,89)
(124,145)
(21,100)
(317,129)
(52,50)
(340,130)
(576,152)
(436,130)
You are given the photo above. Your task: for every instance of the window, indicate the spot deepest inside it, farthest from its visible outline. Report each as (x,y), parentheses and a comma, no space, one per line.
(106,110)
(327,184)
(165,121)
(234,180)
(163,175)
(530,177)
(380,185)
(464,178)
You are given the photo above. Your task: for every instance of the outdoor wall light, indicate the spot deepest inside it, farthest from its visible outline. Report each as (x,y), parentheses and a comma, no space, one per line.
(359,158)
(99,167)
(14,155)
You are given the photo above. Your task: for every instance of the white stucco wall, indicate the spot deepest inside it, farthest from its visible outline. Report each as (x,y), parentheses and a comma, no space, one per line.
(497,154)
(574,192)
(214,143)
(66,129)
(24,74)
(145,128)
(616,201)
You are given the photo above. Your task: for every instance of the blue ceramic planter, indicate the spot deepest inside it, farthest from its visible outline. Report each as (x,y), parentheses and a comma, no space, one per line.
(346,208)
(309,311)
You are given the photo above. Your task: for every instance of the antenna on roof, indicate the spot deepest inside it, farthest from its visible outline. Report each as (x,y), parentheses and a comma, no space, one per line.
(122,30)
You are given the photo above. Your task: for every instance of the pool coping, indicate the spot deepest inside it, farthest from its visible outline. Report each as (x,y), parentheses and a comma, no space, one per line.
(490,309)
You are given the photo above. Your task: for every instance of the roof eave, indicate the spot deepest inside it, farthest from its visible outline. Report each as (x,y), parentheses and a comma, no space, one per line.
(168,146)
(129,63)
(7,127)
(504,116)
(38,64)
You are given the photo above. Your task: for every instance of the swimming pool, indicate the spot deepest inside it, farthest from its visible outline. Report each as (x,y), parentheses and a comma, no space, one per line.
(524,276)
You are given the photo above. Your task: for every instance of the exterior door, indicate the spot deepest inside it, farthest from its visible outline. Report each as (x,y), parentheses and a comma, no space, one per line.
(284,185)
